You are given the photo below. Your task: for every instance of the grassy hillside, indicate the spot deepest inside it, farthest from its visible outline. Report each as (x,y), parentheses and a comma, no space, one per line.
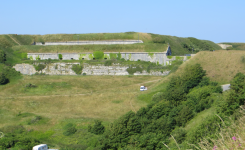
(221,66)
(6,41)
(152,43)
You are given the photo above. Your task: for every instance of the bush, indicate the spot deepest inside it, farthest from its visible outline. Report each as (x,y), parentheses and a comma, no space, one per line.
(108,62)
(40,67)
(98,54)
(69,129)
(119,56)
(29,85)
(35,120)
(3,79)
(97,128)
(2,56)
(131,70)
(60,56)
(77,68)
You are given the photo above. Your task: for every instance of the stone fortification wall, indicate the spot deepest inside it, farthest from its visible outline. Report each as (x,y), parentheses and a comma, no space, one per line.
(156,57)
(92,42)
(65,69)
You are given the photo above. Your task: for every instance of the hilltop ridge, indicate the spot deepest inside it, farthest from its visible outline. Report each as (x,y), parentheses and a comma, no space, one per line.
(152,43)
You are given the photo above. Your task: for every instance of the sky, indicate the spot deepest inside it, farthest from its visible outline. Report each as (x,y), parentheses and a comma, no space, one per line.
(214,20)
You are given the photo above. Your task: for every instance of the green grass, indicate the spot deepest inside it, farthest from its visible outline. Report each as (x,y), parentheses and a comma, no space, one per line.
(141,47)
(198,119)
(221,66)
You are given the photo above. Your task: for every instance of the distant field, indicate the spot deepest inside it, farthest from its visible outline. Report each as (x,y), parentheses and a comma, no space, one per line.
(221,66)
(61,97)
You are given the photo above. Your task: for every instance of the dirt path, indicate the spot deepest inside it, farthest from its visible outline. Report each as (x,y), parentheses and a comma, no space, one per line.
(14,40)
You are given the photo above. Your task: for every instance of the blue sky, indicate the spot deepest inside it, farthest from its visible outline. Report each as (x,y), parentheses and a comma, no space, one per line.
(215,20)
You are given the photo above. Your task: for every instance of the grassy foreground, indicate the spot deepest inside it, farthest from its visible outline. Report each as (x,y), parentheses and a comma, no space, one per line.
(62,97)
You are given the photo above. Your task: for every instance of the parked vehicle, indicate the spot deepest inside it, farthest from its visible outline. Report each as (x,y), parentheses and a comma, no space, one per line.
(143,88)
(40,147)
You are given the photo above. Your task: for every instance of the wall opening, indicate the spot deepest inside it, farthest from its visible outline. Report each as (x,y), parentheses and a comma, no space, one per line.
(71,58)
(93,58)
(105,58)
(82,58)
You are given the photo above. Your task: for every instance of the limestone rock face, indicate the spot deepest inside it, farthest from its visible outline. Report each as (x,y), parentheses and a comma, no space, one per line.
(65,69)
(25,69)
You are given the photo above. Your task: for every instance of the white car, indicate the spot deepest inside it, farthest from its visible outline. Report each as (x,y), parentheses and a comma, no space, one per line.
(40,147)
(143,88)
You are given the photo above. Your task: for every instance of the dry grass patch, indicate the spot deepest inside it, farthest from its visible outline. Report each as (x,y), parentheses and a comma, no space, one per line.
(84,97)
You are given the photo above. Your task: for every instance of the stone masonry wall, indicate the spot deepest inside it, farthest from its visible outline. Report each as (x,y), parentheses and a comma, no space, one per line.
(65,69)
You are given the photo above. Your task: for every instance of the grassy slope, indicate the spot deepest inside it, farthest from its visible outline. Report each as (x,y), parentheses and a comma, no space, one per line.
(221,66)
(152,43)
(61,97)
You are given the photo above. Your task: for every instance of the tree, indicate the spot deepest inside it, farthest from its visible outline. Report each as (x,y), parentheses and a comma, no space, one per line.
(97,128)
(3,79)
(236,97)
(2,56)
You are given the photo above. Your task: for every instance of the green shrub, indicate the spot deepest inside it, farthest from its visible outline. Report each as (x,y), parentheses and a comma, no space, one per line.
(69,129)
(40,67)
(2,56)
(108,62)
(97,128)
(131,70)
(113,56)
(29,85)
(34,120)
(3,79)
(60,56)
(77,68)
(98,54)
(169,57)
(179,58)
(119,56)
(24,55)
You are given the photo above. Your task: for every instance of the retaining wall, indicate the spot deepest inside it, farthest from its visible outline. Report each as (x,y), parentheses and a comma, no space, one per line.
(132,56)
(157,57)
(65,69)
